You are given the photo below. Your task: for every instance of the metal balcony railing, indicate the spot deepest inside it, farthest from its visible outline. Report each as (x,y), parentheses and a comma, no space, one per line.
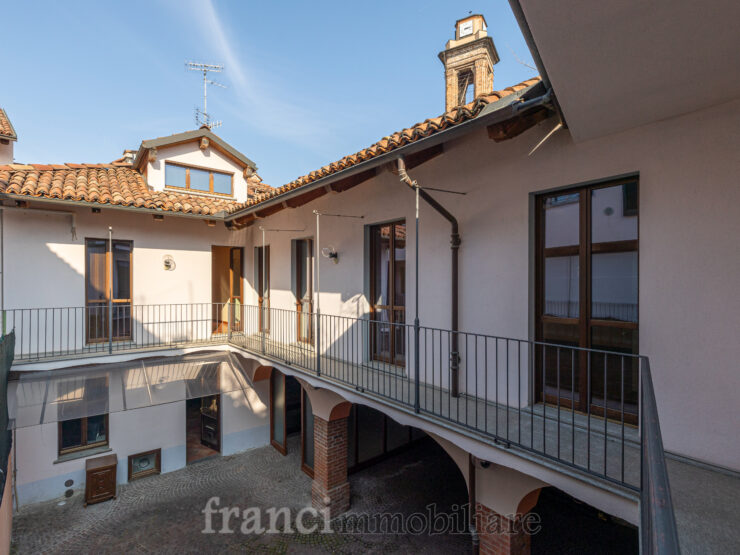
(588,409)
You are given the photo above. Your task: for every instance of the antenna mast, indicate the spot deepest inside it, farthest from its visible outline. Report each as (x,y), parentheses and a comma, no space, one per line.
(202,117)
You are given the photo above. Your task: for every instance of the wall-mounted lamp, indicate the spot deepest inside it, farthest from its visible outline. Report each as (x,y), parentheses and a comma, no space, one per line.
(158,218)
(211,223)
(96,210)
(168,262)
(330,253)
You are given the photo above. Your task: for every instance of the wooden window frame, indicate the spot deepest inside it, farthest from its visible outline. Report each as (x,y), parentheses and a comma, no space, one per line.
(584,250)
(84,445)
(156,470)
(187,187)
(391,307)
(108,288)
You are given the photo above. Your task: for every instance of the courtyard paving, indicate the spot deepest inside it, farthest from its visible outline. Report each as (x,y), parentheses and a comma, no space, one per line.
(163,513)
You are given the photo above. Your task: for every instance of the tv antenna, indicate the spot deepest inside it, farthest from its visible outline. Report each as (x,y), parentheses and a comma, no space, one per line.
(202,117)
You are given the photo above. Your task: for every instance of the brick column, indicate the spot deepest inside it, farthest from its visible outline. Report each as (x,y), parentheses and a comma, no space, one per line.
(498,535)
(330,488)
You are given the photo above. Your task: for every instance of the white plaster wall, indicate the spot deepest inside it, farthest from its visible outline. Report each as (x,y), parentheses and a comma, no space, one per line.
(6,153)
(190,153)
(245,419)
(689,253)
(39,478)
(45,268)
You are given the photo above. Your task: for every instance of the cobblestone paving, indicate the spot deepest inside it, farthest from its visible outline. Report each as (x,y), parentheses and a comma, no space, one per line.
(163,513)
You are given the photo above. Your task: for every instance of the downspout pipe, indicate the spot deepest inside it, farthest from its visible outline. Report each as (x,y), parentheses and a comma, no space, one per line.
(454,288)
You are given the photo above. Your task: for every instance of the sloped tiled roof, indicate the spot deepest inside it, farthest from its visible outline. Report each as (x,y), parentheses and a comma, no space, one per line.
(105,184)
(399,139)
(6,128)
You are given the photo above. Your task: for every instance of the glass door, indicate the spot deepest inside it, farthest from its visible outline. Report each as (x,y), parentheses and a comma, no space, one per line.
(388,292)
(587,296)
(262,281)
(304,289)
(108,278)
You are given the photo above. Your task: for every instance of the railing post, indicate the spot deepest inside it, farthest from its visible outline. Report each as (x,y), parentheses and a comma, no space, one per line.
(261,323)
(417,404)
(318,341)
(229,321)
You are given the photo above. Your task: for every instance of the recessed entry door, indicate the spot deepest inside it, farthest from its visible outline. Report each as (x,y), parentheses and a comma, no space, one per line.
(388,292)
(587,296)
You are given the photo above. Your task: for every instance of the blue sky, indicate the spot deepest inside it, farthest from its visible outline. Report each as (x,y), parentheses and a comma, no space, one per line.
(308,82)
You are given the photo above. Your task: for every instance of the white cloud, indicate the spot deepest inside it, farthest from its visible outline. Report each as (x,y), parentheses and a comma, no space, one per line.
(261,99)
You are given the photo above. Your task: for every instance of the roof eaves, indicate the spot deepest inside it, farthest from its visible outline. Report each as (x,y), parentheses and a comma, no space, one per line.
(495,112)
(191,135)
(13,136)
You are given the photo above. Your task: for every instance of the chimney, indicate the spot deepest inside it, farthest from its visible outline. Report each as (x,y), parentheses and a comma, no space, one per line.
(468,59)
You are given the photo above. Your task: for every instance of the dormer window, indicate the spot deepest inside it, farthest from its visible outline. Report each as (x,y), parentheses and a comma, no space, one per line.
(195,178)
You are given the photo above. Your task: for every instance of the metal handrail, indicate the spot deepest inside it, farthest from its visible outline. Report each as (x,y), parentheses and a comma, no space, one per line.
(518,393)
(658,531)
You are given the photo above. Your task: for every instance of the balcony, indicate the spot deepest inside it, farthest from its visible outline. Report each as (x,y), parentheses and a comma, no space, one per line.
(491,388)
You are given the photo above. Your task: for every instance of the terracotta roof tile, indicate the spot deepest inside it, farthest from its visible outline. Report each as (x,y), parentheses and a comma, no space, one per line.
(6,128)
(104,184)
(396,140)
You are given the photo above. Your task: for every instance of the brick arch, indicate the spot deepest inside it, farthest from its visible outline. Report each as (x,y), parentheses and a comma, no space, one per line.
(262,373)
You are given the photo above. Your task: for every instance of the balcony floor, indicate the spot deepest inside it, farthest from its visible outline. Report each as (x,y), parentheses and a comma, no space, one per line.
(589,444)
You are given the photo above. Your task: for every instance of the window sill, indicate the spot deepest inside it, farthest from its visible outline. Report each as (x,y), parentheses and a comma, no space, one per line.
(83,454)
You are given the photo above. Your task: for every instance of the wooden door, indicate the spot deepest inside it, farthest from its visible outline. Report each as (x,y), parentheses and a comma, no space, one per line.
(210,422)
(388,292)
(236,298)
(587,296)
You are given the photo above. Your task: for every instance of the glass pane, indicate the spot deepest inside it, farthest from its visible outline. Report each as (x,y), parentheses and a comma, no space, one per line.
(613,367)
(307,432)
(236,268)
(278,407)
(560,363)
(381,330)
(399,275)
(71,433)
(200,180)
(121,320)
(95,250)
(96,429)
(121,270)
(174,176)
(304,269)
(561,286)
(370,430)
(221,183)
(614,286)
(399,333)
(381,264)
(561,220)
(614,213)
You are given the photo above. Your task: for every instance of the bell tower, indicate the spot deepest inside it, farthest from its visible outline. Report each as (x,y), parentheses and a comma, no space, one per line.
(468,59)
